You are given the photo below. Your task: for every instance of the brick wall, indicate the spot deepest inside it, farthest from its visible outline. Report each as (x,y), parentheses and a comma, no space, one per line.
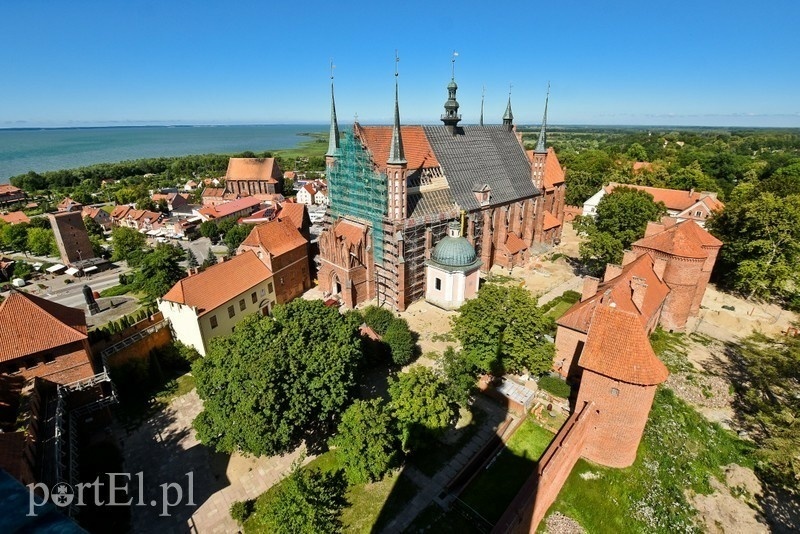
(620,414)
(68,363)
(141,348)
(569,344)
(290,274)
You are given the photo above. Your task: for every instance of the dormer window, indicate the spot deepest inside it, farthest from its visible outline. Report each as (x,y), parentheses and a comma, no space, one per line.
(483,194)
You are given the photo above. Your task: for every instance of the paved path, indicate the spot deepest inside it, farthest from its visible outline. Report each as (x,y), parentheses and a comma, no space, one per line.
(431,488)
(165,449)
(575,284)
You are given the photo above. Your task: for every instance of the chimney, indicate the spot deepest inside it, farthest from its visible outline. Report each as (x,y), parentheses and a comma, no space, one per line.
(612,271)
(628,256)
(638,291)
(659,266)
(590,284)
(691,192)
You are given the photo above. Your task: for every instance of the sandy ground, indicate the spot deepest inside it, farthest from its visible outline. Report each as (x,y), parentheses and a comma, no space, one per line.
(723,512)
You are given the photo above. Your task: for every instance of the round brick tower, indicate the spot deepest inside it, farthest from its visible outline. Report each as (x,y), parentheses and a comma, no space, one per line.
(620,376)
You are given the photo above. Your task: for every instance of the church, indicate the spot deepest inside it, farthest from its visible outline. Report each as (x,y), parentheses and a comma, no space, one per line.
(394,190)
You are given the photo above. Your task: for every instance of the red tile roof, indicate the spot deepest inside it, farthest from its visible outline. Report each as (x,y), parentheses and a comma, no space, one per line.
(550,221)
(617,347)
(618,290)
(639,165)
(213,192)
(553,173)
(120,211)
(673,199)
(15,217)
(276,237)
(294,212)
(514,244)
(8,189)
(352,233)
(30,324)
(416,147)
(261,169)
(228,208)
(219,283)
(685,239)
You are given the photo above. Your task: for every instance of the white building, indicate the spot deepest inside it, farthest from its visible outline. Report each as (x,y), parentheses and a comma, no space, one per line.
(212,303)
(305,195)
(452,273)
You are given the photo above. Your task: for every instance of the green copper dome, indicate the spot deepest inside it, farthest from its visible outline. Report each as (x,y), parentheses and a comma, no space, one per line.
(454,252)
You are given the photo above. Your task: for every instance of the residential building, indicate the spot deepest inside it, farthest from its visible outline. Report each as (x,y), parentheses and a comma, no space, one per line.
(253,176)
(14,217)
(175,201)
(10,194)
(284,250)
(71,237)
(141,220)
(211,303)
(394,189)
(682,205)
(321,197)
(69,205)
(305,195)
(39,338)
(234,209)
(98,215)
(212,196)
(297,214)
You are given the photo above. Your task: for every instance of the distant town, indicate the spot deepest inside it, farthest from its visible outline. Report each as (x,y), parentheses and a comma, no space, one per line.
(408,328)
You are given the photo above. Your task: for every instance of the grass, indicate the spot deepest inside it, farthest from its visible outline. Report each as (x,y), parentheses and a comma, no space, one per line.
(116,291)
(555,386)
(671,349)
(490,493)
(430,460)
(371,506)
(680,451)
(558,310)
(316,145)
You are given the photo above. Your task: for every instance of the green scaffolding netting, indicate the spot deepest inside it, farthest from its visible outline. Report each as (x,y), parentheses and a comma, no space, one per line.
(357,191)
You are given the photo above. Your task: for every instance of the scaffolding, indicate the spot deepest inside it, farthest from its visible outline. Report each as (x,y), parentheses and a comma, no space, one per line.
(357,191)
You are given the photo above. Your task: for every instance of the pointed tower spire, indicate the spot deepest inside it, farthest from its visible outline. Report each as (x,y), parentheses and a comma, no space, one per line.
(396,155)
(451,116)
(483,94)
(333,135)
(508,116)
(541,144)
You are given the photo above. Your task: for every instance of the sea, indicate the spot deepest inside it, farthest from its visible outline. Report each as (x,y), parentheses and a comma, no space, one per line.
(50,149)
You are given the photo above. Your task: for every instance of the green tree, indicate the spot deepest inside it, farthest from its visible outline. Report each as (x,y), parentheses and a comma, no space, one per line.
(378,318)
(459,376)
(235,236)
(211,258)
(41,242)
(366,441)
(277,380)
(761,233)
(307,502)
(92,227)
(15,237)
(159,270)
(502,330)
(637,152)
(400,341)
(420,404)
(210,230)
(191,259)
(127,243)
(580,185)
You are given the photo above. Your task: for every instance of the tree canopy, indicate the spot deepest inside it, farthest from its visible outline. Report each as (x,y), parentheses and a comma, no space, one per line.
(420,404)
(159,270)
(277,380)
(127,243)
(503,329)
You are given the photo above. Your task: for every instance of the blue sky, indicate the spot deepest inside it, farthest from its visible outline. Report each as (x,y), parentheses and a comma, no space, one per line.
(704,62)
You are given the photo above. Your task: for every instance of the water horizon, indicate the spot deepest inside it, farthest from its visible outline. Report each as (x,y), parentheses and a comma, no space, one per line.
(42,149)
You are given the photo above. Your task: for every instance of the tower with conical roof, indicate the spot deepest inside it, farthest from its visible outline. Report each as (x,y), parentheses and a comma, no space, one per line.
(396,165)
(508,116)
(541,147)
(333,134)
(540,152)
(451,116)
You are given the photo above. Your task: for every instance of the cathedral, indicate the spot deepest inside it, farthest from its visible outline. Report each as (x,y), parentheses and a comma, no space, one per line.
(394,190)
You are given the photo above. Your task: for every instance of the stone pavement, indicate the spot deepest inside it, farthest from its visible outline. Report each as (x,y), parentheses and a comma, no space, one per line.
(575,284)
(430,489)
(168,454)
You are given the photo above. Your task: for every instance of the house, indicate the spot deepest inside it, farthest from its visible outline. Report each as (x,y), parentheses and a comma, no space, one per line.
(69,205)
(211,303)
(191,185)
(10,194)
(175,201)
(682,205)
(253,176)
(298,215)
(141,220)
(43,339)
(395,188)
(284,250)
(321,196)
(211,196)
(14,217)
(98,215)
(234,209)
(305,195)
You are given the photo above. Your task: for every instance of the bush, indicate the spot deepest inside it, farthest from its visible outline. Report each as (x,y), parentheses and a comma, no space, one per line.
(378,319)
(241,510)
(555,386)
(400,341)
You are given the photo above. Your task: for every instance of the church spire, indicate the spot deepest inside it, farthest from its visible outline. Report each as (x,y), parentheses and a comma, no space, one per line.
(396,155)
(508,116)
(333,135)
(483,93)
(541,144)
(451,116)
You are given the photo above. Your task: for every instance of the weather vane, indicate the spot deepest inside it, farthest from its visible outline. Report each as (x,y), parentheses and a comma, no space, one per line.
(396,61)
(453,74)
(332,67)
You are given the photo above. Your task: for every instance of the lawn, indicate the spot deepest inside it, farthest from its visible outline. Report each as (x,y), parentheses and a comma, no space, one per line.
(371,506)
(680,451)
(490,493)
(558,310)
